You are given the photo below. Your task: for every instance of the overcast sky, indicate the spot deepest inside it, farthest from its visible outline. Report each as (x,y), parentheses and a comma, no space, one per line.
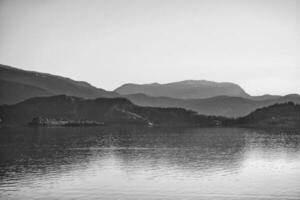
(107,43)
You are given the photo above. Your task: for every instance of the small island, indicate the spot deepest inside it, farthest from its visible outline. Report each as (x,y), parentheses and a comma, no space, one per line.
(42,121)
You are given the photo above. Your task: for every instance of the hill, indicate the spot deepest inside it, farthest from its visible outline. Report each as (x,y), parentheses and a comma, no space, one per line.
(285,115)
(18,85)
(189,89)
(107,110)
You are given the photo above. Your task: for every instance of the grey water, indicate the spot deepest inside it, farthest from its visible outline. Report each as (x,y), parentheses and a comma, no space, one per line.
(129,162)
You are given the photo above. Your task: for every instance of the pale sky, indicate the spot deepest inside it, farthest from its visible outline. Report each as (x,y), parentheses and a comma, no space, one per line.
(254,43)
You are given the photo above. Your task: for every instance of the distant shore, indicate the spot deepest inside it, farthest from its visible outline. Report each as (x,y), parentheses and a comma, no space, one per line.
(41,121)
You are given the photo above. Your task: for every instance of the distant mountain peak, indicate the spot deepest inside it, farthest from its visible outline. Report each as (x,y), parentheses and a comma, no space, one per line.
(185,89)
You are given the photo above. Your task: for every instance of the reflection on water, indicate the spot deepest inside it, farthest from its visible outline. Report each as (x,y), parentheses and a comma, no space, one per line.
(146,163)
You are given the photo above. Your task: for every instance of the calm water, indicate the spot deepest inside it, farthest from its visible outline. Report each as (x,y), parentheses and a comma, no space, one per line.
(135,163)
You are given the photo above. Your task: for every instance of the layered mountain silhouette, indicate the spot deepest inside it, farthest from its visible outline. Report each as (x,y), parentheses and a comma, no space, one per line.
(17,85)
(107,110)
(189,89)
(225,99)
(120,110)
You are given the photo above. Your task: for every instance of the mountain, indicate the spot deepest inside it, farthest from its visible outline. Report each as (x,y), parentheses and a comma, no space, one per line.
(189,89)
(218,106)
(285,115)
(18,85)
(107,110)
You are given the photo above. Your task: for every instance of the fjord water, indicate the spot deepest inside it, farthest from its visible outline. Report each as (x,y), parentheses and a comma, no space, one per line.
(128,162)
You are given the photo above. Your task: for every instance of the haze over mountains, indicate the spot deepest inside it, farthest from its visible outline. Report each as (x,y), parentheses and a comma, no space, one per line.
(204,97)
